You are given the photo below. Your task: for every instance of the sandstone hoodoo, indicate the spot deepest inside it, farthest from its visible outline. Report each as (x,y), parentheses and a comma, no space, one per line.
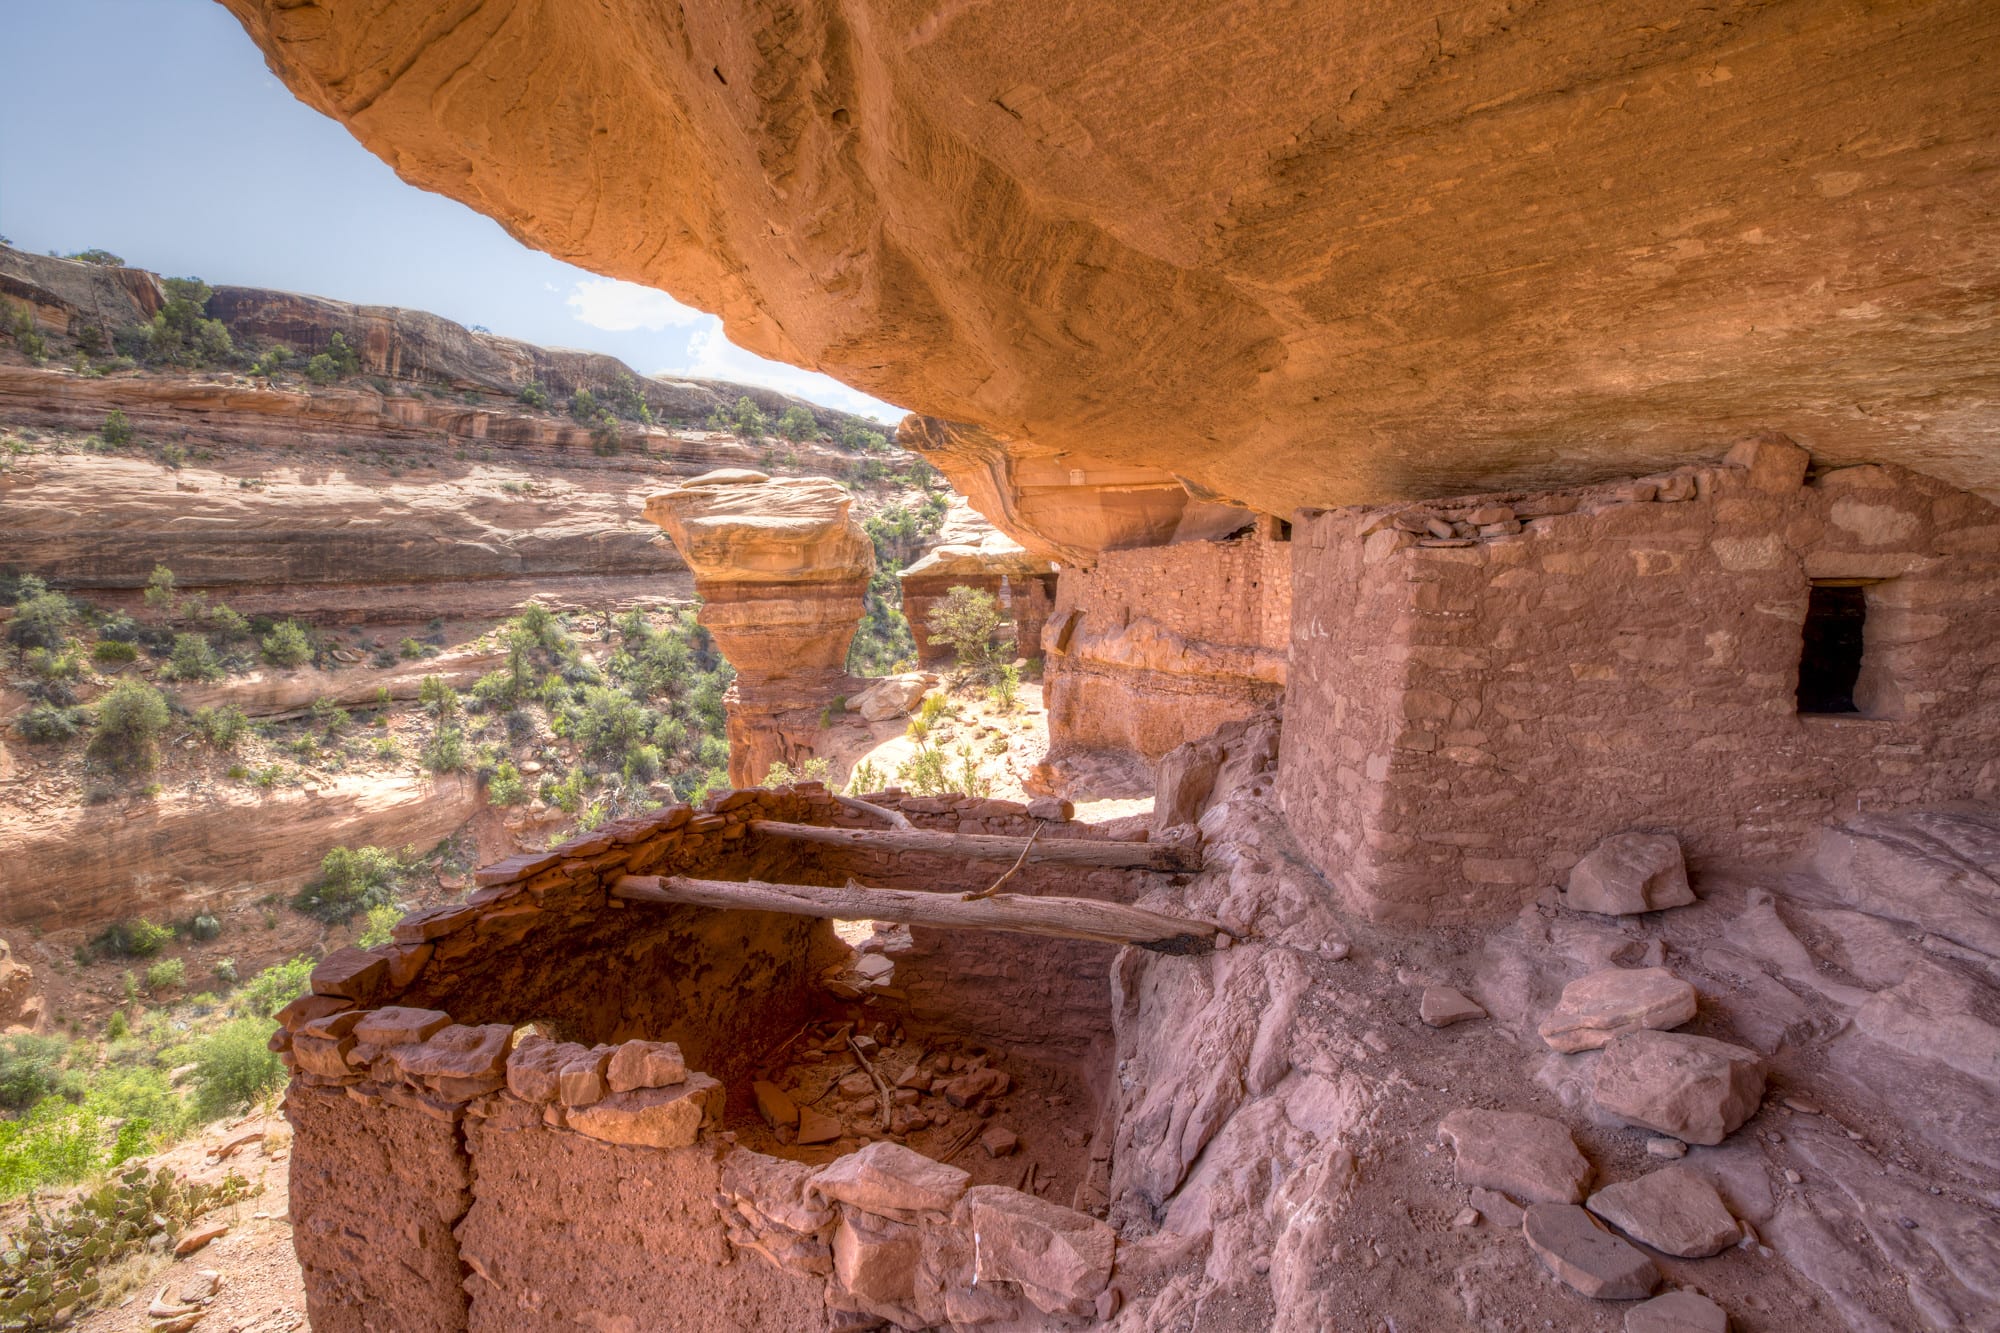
(781,567)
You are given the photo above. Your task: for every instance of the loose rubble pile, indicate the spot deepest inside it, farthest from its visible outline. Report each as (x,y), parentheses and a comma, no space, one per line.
(1689,1088)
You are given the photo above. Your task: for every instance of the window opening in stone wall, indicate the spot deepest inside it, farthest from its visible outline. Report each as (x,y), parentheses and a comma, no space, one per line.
(1834,640)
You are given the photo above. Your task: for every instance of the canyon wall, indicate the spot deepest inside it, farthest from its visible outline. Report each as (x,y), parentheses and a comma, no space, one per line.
(1481,691)
(1157,646)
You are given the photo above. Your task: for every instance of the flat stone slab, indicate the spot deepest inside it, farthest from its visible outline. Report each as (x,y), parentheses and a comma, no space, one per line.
(1695,1088)
(645,1064)
(1629,873)
(1673,1210)
(886,1177)
(1060,1257)
(1442,1006)
(1596,1008)
(1522,1155)
(652,1117)
(1571,1244)
(1677,1312)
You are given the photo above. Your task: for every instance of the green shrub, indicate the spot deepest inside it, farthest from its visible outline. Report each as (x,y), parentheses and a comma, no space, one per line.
(228,623)
(409,649)
(287,645)
(505,786)
(165,975)
(134,937)
(797,424)
(331,716)
(350,880)
(41,621)
(117,429)
(203,927)
(865,778)
(436,695)
(926,772)
(444,752)
(381,920)
(234,1066)
(534,395)
(54,665)
(337,362)
(968,620)
(46,724)
(110,652)
(271,361)
(746,419)
(31,1067)
(193,658)
(56,1143)
(225,971)
(119,1027)
(1006,687)
(129,721)
(783,774)
(221,725)
(275,987)
(159,594)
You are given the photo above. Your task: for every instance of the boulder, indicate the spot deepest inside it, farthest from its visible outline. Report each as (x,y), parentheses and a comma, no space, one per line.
(776,1189)
(1524,1156)
(586,1077)
(652,1117)
(875,1258)
(1596,1008)
(891,697)
(1694,1088)
(645,1064)
(1673,1210)
(1060,1257)
(351,974)
(1571,1244)
(1677,1312)
(458,1051)
(1629,873)
(886,1177)
(1442,1006)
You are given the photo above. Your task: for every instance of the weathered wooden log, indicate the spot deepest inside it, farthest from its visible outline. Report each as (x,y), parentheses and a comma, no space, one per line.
(1167,857)
(1063,918)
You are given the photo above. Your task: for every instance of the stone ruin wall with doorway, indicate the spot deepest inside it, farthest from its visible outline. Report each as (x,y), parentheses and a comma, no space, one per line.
(1482,690)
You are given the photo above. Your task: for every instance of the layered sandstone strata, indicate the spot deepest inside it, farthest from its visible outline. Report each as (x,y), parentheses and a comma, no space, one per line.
(782,568)
(1198,239)
(971,553)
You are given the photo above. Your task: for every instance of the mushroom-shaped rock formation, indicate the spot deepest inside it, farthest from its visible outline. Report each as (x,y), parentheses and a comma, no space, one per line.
(781,567)
(972,553)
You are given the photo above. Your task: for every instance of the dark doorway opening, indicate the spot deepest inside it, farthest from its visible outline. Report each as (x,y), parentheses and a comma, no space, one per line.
(1830,657)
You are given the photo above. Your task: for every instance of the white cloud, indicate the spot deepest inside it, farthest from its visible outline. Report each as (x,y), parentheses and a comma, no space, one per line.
(620,307)
(711,356)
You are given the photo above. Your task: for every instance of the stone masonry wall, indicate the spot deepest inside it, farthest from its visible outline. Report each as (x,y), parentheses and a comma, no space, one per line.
(453,1173)
(1160,645)
(1482,690)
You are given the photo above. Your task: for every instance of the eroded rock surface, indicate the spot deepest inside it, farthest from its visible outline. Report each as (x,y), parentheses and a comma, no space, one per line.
(1197,241)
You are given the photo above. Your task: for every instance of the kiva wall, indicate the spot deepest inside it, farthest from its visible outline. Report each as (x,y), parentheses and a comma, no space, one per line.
(1162,644)
(1467,714)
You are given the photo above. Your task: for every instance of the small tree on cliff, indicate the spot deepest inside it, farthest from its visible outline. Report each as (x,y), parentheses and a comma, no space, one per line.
(969,620)
(129,722)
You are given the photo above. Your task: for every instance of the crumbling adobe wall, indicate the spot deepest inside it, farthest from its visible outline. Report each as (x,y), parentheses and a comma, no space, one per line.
(374,1180)
(515,1181)
(1482,690)
(1160,645)
(573,1232)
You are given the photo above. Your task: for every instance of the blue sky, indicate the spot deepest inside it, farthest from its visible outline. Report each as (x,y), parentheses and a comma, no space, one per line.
(151,128)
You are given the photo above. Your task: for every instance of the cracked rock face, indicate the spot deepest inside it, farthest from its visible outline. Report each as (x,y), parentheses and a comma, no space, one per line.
(1199,239)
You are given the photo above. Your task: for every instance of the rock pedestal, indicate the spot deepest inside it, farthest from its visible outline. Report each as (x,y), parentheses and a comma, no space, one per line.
(781,568)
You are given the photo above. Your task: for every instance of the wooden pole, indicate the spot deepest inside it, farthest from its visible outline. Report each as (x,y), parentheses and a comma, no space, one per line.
(1168,858)
(1063,918)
